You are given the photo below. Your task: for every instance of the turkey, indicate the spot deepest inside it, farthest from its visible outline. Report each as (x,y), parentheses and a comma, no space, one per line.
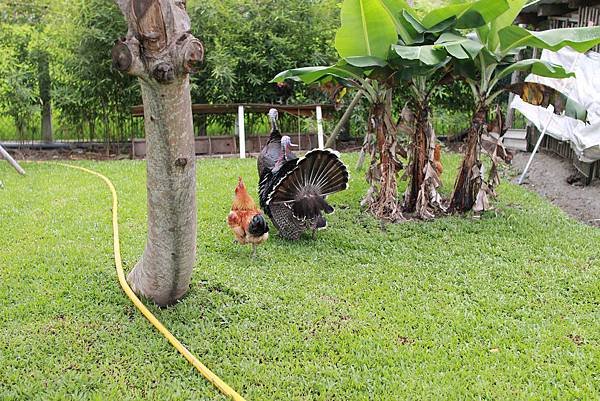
(293,190)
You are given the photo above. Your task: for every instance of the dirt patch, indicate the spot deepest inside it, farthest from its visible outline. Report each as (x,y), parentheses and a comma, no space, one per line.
(405,341)
(577,339)
(63,154)
(548,177)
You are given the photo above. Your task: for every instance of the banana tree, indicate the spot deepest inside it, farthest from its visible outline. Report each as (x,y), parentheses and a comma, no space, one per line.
(423,69)
(383,46)
(363,43)
(420,66)
(424,66)
(498,42)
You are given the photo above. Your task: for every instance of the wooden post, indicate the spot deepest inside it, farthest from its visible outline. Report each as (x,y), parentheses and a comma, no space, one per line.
(12,161)
(242,132)
(320,132)
(514,79)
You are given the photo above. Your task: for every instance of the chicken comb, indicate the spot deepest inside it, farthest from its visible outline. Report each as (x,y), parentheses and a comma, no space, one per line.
(240,185)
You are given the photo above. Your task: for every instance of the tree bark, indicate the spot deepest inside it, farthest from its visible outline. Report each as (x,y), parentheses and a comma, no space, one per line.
(160,51)
(418,157)
(469,181)
(45,84)
(163,274)
(382,198)
(422,198)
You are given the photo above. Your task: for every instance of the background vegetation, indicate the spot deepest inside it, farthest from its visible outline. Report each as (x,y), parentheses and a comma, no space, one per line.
(247,42)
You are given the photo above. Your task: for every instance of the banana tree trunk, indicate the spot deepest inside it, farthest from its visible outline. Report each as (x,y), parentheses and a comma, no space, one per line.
(469,180)
(162,59)
(382,198)
(421,198)
(419,131)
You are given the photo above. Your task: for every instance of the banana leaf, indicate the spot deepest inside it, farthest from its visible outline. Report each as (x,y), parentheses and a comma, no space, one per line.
(580,39)
(363,62)
(467,15)
(428,54)
(367,29)
(465,68)
(501,22)
(537,67)
(458,46)
(309,75)
(419,31)
(395,9)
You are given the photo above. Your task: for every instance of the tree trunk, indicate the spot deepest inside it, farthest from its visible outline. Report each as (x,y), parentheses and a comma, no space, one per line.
(418,156)
(163,274)
(45,84)
(421,197)
(468,182)
(169,54)
(382,198)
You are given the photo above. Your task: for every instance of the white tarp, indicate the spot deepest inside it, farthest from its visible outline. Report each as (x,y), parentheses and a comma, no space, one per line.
(584,89)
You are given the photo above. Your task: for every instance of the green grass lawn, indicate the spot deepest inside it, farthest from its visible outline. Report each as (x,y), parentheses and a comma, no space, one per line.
(503,307)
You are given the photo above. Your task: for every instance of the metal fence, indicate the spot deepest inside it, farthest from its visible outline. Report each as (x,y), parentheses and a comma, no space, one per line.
(117,128)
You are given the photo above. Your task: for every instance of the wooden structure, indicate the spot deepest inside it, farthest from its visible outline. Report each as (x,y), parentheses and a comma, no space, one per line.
(230,145)
(555,14)
(301,110)
(240,143)
(516,139)
(8,157)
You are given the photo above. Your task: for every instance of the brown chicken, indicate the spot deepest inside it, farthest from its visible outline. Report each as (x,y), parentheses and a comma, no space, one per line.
(247,221)
(437,159)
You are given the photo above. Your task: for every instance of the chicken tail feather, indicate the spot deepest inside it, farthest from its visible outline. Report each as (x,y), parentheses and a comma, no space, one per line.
(258,225)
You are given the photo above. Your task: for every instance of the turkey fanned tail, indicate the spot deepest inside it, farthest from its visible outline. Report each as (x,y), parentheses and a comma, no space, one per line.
(303,184)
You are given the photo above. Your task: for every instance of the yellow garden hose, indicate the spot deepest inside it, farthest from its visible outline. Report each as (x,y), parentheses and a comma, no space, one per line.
(207,373)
